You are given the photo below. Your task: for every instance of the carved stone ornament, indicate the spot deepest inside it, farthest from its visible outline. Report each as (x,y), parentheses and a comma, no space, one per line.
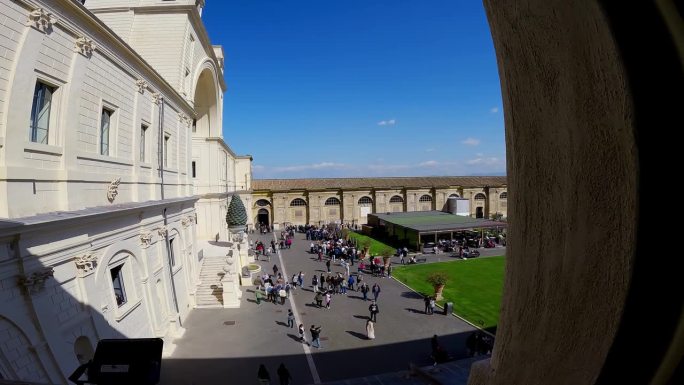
(157,98)
(185,119)
(113,189)
(35,281)
(163,231)
(141,84)
(41,20)
(186,221)
(85,46)
(86,262)
(146,239)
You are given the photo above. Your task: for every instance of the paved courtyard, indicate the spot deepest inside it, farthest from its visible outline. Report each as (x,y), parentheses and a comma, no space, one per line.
(226,346)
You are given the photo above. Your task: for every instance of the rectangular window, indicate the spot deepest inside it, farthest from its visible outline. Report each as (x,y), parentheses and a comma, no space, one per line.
(118,285)
(105,122)
(143,133)
(194,125)
(166,150)
(40,113)
(194,170)
(172,256)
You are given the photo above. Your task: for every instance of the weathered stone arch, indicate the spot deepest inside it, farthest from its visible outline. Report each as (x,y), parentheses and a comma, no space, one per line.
(585,94)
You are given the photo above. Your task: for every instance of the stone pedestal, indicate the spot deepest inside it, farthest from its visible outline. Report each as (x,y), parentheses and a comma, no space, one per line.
(231,290)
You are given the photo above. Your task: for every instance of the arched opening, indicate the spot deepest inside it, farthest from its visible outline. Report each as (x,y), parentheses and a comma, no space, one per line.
(83,349)
(332,201)
(263,217)
(262,203)
(208,121)
(396,199)
(365,201)
(298,202)
(454,196)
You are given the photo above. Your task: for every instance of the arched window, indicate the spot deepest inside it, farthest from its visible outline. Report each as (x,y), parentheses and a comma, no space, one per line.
(365,201)
(332,201)
(298,202)
(263,203)
(504,195)
(396,199)
(454,196)
(425,198)
(480,197)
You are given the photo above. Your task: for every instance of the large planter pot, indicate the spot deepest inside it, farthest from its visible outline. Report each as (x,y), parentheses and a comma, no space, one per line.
(438,292)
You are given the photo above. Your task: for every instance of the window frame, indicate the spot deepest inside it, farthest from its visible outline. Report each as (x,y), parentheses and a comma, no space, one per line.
(292,203)
(167,139)
(428,200)
(334,201)
(391,200)
(33,127)
(101,134)
(121,277)
(484,197)
(142,142)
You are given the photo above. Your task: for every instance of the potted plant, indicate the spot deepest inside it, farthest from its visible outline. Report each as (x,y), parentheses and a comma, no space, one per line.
(366,243)
(438,279)
(386,254)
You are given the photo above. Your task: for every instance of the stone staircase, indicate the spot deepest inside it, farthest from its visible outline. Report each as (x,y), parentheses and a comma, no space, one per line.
(210,292)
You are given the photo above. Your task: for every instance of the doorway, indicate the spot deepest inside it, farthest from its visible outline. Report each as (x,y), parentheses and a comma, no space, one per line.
(263,217)
(479,212)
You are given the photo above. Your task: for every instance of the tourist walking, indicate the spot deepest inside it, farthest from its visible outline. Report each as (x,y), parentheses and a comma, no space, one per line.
(374,310)
(328,298)
(327,264)
(350,282)
(314,283)
(315,336)
(290,318)
(258,294)
(389,271)
(432,305)
(263,376)
(284,375)
(364,291)
(370,330)
(300,279)
(275,270)
(302,339)
(426,299)
(376,291)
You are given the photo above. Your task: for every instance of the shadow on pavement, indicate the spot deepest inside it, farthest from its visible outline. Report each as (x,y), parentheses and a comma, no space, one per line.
(372,359)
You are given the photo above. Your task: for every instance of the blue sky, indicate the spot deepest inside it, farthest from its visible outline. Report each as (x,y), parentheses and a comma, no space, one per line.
(360,88)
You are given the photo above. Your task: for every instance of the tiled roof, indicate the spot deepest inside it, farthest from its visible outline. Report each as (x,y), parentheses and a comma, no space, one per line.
(377,183)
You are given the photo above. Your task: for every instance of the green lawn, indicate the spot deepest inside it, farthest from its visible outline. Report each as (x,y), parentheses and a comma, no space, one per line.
(474,286)
(376,246)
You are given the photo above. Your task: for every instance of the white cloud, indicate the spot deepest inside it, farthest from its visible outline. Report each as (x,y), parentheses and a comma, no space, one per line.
(390,122)
(314,166)
(430,150)
(471,142)
(429,163)
(494,110)
(487,161)
(258,167)
(479,155)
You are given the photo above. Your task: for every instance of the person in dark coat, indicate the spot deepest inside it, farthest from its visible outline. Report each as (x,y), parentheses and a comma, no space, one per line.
(263,376)
(284,375)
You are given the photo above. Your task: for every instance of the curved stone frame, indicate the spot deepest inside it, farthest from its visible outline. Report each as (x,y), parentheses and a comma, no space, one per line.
(588,51)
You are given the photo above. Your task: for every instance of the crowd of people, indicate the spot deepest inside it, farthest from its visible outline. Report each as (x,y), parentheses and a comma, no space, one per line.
(329,249)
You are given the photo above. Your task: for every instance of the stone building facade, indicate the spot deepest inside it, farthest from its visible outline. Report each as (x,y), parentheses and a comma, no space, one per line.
(350,200)
(112,168)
